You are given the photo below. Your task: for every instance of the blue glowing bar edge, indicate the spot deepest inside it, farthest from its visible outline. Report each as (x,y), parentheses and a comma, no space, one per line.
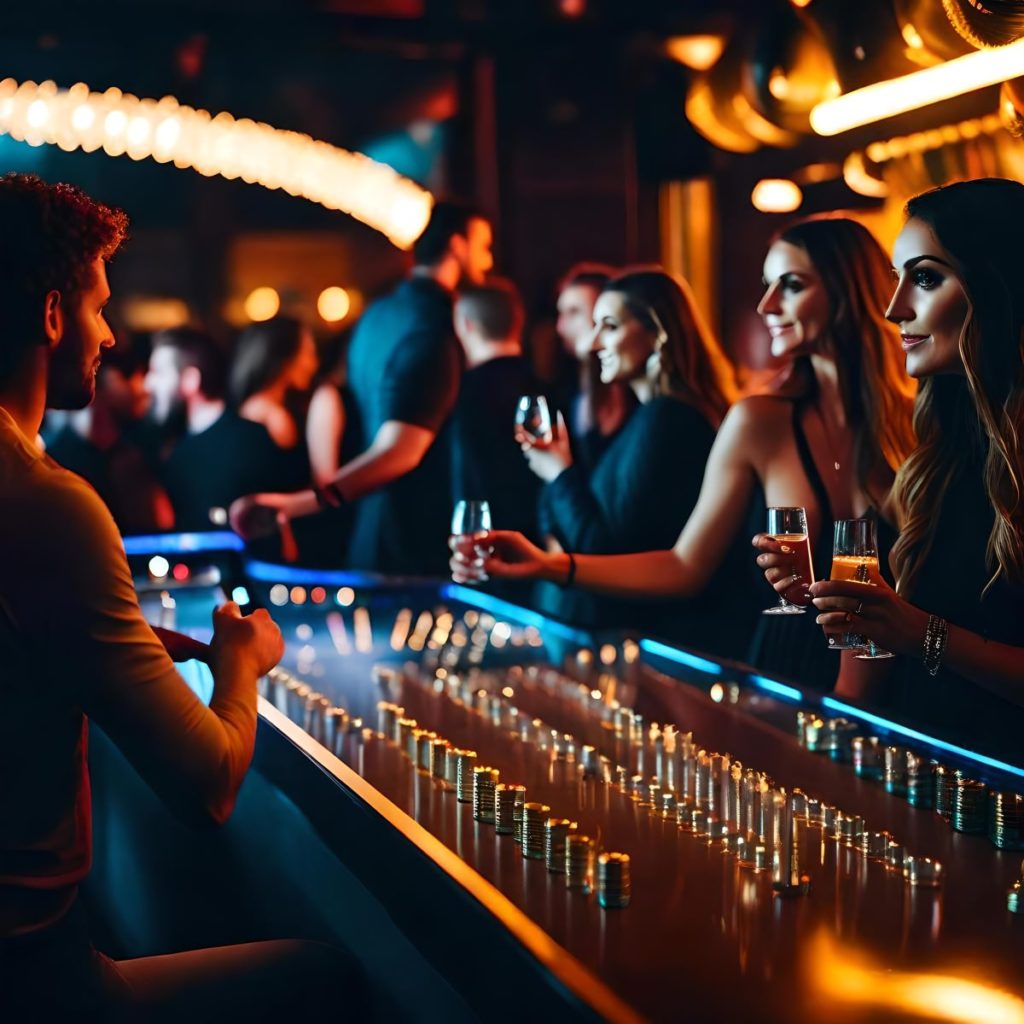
(499,606)
(182,543)
(867,716)
(780,689)
(269,572)
(681,657)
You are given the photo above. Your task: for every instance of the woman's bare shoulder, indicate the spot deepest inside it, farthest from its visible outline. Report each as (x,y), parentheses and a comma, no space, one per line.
(759,413)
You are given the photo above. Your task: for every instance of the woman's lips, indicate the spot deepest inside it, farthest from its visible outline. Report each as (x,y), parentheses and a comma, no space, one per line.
(912,340)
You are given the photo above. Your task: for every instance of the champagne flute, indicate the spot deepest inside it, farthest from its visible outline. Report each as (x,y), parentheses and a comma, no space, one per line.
(533,420)
(855,558)
(471,523)
(789,527)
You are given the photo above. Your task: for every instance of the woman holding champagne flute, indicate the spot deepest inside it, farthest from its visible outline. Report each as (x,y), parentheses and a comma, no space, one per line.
(828,441)
(957,614)
(649,335)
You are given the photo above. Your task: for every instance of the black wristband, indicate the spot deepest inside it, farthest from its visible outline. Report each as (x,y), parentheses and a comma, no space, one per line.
(329,496)
(570,576)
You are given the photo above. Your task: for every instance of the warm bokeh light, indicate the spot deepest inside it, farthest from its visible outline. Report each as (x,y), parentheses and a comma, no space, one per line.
(919,89)
(262,303)
(858,180)
(216,145)
(333,304)
(701,113)
(150,313)
(841,976)
(776,195)
(697,52)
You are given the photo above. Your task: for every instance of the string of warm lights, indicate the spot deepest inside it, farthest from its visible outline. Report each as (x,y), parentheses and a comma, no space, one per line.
(165,131)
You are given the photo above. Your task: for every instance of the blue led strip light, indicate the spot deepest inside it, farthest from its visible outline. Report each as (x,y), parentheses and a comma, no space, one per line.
(182,543)
(681,657)
(268,572)
(991,762)
(779,689)
(499,606)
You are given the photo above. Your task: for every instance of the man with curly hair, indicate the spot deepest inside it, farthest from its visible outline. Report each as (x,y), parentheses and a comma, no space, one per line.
(74,646)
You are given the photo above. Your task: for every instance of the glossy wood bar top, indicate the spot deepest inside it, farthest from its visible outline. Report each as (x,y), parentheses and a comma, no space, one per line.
(704,937)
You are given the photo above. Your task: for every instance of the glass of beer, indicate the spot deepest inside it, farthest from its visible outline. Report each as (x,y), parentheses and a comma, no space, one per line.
(855,558)
(789,526)
(471,523)
(533,421)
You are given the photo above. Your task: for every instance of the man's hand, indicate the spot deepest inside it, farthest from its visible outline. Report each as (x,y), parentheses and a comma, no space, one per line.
(254,640)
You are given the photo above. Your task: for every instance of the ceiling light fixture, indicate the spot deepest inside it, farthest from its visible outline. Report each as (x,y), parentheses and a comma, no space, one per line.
(919,89)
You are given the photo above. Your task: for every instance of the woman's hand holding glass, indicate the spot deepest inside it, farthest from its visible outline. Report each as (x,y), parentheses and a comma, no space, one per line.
(545,442)
(510,556)
(875,610)
(780,565)
(786,559)
(471,528)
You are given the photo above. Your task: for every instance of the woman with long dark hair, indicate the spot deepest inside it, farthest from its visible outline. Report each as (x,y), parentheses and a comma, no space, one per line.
(957,613)
(275,360)
(649,335)
(829,440)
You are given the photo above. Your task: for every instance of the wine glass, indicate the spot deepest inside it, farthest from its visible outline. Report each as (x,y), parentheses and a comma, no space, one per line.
(789,527)
(533,420)
(471,522)
(855,558)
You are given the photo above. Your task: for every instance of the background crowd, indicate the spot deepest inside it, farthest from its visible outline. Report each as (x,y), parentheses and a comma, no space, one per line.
(634,507)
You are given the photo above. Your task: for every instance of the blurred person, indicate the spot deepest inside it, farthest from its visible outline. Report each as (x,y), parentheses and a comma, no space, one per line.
(332,439)
(103,444)
(220,456)
(596,410)
(75,648)
(275,361)
(486,462)
(829,439)
(404,370)
(956,616)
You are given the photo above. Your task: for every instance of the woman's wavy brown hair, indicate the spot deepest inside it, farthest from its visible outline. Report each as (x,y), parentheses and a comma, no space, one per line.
(694,368)
(980,415)
(877,394)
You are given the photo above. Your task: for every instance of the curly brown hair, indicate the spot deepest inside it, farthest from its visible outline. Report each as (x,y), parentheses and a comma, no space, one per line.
(49,237)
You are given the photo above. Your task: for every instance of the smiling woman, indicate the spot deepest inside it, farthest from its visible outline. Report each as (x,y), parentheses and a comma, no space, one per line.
(829,441)
(957,615)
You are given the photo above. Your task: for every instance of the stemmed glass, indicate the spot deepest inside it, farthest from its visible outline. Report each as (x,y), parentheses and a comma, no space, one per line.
(789,527)
(471,523)
(855,558)
(533,420)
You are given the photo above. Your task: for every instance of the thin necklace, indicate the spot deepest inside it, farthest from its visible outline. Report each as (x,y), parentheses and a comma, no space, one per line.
(828,440)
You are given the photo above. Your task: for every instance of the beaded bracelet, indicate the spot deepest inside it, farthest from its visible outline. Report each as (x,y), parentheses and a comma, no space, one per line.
(935,635)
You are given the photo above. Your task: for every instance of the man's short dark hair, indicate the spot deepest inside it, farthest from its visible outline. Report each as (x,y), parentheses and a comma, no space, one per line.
(195,347)
(447,219)
(49,237)
(495,308)
(587,275)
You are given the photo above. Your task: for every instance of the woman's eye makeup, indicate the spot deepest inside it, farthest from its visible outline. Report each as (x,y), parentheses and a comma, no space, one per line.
(926,278)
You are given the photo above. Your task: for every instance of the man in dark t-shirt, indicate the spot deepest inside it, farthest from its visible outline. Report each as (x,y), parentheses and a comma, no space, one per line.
(404,367)
(487,463)
(221,456)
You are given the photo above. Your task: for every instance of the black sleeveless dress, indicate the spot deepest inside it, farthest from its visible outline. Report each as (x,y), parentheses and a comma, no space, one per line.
(793,647)
(950,584)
